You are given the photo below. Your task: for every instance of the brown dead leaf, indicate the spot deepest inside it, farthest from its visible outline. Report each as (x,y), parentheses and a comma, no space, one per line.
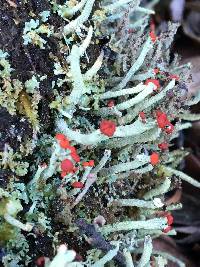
(175,198)
(168,245)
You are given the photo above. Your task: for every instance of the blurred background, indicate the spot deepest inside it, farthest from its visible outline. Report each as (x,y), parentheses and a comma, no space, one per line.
(186,245)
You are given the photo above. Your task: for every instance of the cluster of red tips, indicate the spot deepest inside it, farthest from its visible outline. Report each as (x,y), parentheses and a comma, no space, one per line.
(88,164)
(63,141)
(170,220)
(74,154)
(154,158)
(163,122)
(155,82)
(60,136)
(142,116)
(163,146)
(162,119)
(67,167)
(75,157)
(107,127)
(77,185)
(111,103)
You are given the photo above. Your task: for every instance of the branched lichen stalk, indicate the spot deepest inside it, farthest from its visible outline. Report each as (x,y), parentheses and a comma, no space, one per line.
(71,11)
(147,103)
(134,203)
(136,66)
(108,257)
(157,223)
(79,88)
(159,190)
(11,220)
(129,91)
(92,177)
(183,176)
(78,22)
(146,255)
(129,259)
(96,137)
(133,101)
(127,166)
(95,68)
(50,170)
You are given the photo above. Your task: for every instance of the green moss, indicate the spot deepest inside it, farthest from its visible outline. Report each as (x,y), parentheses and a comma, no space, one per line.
(3,203)
(7,233)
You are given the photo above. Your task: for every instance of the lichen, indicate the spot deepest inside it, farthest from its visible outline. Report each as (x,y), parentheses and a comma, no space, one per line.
(95,179)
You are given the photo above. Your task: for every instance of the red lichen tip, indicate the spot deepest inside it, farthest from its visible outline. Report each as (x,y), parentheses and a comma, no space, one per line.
(163,122)
(170,219)
(167,229)
(43,165)
(174,76)
(40,261)
(77,185)
(63,174)
(85,164)
(111,103)
(88,164)
(74,154)
(169,128)
(60,137)
(154,81)
(154,158)
(72,149)
(107,127)
(75,169)
(156,71)
(162,119)
(142,115)
(163,146)
(64,143)
(75,157)
(91,163)
(153,36)
(67,166)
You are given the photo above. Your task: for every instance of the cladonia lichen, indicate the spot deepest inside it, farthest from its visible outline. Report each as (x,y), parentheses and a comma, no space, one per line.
(88,186)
